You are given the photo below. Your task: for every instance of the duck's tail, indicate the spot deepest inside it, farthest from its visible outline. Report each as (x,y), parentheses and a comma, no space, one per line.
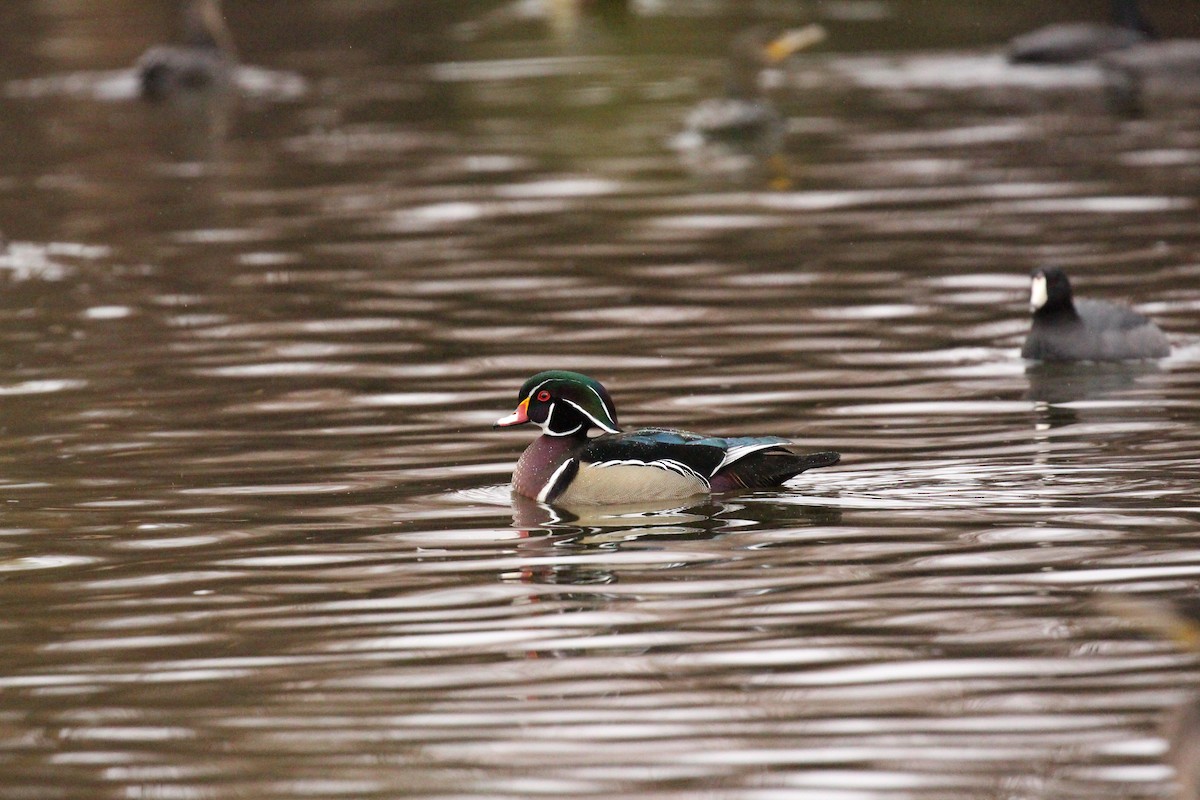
(769,468)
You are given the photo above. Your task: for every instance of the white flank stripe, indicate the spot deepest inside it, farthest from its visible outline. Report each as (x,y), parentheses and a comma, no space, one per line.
(545,492)
(549,431)
(604,406)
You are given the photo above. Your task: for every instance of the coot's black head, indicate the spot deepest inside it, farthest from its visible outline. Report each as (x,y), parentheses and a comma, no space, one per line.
(1050,293)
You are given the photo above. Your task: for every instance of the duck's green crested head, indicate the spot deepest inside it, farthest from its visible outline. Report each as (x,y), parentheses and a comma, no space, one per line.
(1050,291)
(563,403)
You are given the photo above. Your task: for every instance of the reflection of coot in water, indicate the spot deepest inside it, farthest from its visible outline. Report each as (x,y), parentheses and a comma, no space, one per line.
(204,59)
(1065,329)
(1068,43)
(1061,382)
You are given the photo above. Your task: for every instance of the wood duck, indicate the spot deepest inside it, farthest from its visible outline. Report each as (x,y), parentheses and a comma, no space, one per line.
(566,467)
(204,59)
(1072,42)
(743,121)
(1066,329)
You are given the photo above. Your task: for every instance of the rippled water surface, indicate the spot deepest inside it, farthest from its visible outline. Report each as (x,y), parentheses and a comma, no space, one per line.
(257,537)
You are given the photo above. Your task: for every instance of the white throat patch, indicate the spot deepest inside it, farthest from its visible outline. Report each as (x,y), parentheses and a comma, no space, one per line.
(545,425)
(1037,293)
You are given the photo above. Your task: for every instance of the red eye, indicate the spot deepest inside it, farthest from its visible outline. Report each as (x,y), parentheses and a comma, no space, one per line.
(543,396)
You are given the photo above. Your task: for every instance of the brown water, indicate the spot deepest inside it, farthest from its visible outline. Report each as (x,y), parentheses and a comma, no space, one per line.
(257,540)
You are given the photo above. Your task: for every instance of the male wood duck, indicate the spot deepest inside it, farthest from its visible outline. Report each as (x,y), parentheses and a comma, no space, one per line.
(1072,42)
(1067,329)
(566,467)
(743,121)
(204,59)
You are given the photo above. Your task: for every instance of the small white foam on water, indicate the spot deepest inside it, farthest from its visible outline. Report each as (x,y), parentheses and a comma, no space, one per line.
(25,563)
(111,86)
(40,387)
(124,84)
(960,71)
(515,69)
(499,494)
(108,312)
(267,84)
(560,187)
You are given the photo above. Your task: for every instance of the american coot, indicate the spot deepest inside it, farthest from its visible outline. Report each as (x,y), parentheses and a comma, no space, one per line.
(1065,329)
(564,466)
(1068,43)
(204,59)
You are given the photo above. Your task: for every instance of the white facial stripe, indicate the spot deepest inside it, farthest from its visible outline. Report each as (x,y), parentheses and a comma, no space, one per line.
(605,407)
(545,426)
(1037,293)
(596,422)
(533,391)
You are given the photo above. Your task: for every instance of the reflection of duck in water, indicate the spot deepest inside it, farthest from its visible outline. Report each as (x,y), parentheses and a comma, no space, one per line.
(651,465)
(1180,623)
(743,122)
(1071,42)
(204,59)
(1066,329)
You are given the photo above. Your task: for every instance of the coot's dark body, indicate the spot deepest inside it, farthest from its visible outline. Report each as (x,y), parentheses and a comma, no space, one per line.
(1065,329)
